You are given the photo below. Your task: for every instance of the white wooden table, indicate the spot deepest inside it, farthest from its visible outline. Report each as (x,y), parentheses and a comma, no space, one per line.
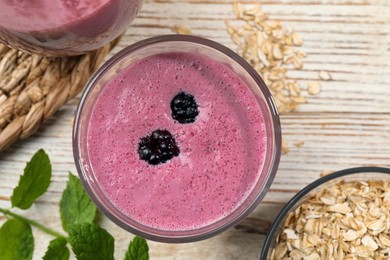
(347,124)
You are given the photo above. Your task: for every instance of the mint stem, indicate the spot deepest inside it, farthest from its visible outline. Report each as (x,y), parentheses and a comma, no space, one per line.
(32,223)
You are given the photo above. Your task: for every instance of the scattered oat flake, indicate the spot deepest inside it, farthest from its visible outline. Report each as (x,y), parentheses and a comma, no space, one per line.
(297,40)
(237,8)
(267,46)
(313,87)
(325,75)
(299,143)
(297,62)
(326,172)
(285,148)
(181,29)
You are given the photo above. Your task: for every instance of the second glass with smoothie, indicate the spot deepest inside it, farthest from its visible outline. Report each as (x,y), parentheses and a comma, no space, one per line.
(64,27)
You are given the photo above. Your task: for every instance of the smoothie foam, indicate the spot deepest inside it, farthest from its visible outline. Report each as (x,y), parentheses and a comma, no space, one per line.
(221,153)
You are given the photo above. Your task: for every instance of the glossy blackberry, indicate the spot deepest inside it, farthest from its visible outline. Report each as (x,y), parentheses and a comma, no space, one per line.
(159,147)
(184,108)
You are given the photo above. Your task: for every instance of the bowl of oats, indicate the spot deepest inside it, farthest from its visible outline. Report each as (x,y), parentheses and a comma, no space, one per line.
(343,215)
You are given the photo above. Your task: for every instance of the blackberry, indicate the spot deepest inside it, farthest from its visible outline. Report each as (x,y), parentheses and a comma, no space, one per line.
(184,108)
(159,147)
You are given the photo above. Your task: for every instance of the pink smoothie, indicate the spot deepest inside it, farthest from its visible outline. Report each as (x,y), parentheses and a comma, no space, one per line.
(60,24)
(221,153)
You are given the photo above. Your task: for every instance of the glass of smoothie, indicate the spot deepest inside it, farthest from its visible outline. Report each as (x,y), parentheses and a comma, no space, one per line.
(64,27)
(176,138)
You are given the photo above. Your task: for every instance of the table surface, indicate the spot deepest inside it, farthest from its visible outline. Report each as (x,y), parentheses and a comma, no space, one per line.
(346,125)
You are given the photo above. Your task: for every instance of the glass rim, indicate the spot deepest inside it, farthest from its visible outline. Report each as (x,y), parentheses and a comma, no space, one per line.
(306,190)
(273,117)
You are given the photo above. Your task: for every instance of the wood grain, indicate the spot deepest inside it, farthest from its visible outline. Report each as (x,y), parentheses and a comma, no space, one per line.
(346,125)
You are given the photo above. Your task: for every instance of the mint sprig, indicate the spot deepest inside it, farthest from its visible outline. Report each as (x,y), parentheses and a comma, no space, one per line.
(16,240)
(91,242)
(34,182)
(138,250)
(75,205)
(87,239)
(57,250)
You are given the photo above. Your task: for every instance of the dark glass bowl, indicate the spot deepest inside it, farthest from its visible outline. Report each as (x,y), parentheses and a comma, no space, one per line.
(352,174)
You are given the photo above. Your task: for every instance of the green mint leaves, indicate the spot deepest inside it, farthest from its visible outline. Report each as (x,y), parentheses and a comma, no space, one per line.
(75,205)
(57,250)
(138,250)
(16,240)
(34,182)
(91,242)
(88,240)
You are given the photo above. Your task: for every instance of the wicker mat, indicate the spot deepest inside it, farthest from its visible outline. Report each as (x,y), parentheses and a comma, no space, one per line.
(33,88)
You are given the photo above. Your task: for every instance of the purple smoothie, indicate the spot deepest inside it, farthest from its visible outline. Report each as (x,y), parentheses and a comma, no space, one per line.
(221,154)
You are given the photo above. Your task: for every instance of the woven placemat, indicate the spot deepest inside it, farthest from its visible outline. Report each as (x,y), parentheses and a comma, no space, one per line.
(33,88)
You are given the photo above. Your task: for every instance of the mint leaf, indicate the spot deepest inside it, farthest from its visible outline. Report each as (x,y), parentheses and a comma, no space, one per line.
(75,205)
(16,240)
(57,250)
(34,182)
(138,250)
(91,242)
